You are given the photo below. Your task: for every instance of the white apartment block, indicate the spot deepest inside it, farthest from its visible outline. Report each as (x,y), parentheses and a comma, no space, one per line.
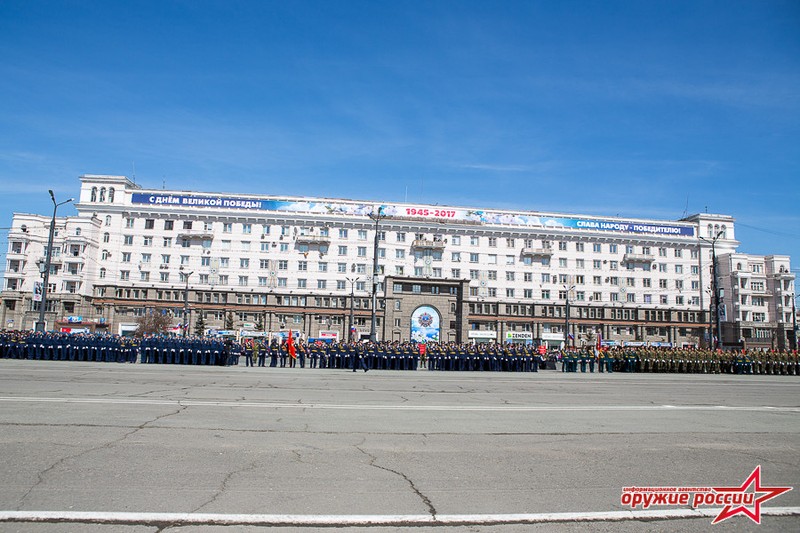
(293,262)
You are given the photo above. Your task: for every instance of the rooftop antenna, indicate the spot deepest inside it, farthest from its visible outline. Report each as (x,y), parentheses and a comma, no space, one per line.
(706,209)
(406,200)
(134,172)
(686,208)
(163,183)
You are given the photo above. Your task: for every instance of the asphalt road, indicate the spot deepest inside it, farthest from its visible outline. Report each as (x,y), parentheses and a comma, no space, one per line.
(237,443)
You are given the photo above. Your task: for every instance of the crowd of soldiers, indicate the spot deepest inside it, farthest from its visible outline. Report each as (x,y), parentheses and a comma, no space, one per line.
(67,347)
(491,357)
(682,361)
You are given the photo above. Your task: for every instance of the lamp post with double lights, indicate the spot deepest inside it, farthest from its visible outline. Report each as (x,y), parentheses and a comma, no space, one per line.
(377,216)
(47,259)
(715,287)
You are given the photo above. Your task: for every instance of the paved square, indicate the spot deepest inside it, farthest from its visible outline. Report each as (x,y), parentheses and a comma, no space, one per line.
(121,438)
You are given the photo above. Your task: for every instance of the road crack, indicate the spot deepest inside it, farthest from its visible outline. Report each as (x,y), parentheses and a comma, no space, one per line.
(41,475)
(372,462)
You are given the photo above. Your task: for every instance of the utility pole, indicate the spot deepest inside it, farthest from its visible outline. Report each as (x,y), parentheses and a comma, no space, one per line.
(715,287)
(568,289)
(352,282)
(47,260)
(186,304)
(376,216)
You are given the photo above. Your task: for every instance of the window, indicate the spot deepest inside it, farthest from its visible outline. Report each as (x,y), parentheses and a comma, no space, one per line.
(342,250)
(243,281)
(562,246)
(146,258)
(227,227)
(165,277)
(164,259)
(322,267)
(545,294)
(362,235)
(597,248)
(455,273)
(509,276)
(126,257)
(184,259)
(456,240)
(169,225)
(127,239)
(147,241)
(579,247)
(124,275)
(129,223)
(474,241)
(362,251)
(283,264)
(167,242)
(473,258)
(399,254)
(302,265)
(579,264)
(612,248)
(244,262)
(322,284)
(149,223)
(341,268)
(562,262)
(492,242)
(247,228)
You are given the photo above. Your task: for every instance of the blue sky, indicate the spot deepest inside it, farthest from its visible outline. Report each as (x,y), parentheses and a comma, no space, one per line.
(646,109)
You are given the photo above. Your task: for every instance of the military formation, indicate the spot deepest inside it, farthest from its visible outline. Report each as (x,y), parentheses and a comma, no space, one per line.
(682,361)
(492,357)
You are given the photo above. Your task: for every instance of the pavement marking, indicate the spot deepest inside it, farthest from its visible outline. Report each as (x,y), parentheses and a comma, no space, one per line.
(365,520)
(394,407)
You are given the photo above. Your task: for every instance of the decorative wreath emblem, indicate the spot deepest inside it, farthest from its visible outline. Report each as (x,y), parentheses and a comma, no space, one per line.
(425,320)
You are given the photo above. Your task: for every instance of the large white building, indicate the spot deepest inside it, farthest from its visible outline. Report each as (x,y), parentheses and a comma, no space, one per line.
(473,275)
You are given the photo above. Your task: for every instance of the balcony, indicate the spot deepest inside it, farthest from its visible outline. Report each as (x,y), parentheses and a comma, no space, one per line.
(425,244)
(313,239)
(195,233)
(638,258)
(545,251)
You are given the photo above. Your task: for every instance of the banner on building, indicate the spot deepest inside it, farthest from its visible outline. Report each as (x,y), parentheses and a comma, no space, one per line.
(37,291)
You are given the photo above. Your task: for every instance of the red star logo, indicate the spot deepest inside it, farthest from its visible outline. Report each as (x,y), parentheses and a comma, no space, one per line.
(755,514)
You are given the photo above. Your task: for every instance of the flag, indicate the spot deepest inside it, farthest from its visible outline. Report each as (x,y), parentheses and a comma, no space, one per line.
(290,346)
(599,339)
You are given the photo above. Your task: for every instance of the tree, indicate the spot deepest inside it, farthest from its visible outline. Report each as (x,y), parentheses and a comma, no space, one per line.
(229,320)
(154,322)
(200,325)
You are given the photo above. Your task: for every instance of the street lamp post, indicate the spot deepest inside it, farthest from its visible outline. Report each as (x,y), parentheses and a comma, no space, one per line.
(566,320)
(186,304)
(794,321)
(715,286)
(376,216)
(47,258)
(352,282)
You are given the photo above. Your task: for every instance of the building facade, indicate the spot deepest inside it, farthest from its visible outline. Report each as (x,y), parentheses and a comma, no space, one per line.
(268,263)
